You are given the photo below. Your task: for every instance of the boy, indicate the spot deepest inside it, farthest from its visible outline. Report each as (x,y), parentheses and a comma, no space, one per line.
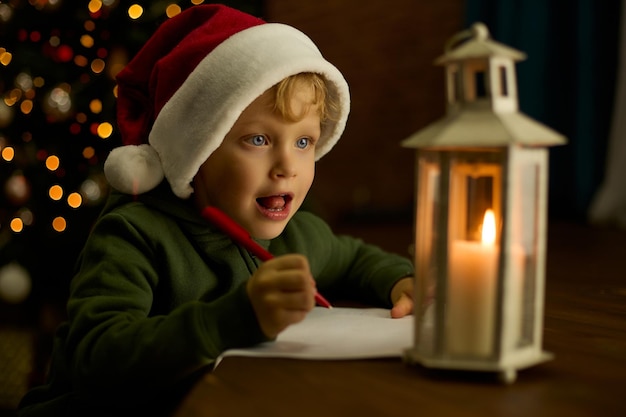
(235,112)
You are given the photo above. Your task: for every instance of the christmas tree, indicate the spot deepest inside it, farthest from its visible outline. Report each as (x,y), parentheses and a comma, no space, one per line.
(58,60)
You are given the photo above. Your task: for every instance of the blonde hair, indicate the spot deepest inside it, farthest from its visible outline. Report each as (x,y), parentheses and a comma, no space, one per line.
(282,93)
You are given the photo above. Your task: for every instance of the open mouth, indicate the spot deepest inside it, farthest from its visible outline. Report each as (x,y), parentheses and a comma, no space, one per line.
(275,202)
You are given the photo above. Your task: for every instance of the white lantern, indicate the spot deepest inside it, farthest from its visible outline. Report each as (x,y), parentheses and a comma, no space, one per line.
(480,218)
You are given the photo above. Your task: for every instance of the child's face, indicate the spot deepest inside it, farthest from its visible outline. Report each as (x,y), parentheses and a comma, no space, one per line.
(264,168)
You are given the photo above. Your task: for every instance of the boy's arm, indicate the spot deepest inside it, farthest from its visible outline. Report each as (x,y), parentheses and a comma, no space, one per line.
(124,339)
(345,267)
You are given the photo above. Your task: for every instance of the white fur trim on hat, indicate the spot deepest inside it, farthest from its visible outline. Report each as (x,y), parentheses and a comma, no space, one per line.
(193,123)
(133,169)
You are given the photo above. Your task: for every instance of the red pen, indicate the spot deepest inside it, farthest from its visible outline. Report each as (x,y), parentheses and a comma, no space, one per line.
(241,236)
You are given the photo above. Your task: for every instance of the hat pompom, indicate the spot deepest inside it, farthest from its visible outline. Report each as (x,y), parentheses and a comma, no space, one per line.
(133,169)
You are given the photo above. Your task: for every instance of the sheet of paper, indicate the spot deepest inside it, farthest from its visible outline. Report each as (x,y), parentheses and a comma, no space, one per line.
(338,333)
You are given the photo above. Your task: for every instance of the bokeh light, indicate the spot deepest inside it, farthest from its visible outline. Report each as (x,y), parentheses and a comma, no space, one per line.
(17,189)
(59,224)
(5,12)
(105,130)
(74,200)
(53,162)
(95,106)
(94,6)
(89,152)
(15,283)
(65,53)
(87,41)
(6,114)
(135,11)
(58,103)
(24,81)
(89,25)
(26,216)
(17,225)
(172,10)
(27,106)
(81,61)
(97,65)
(8,153)
(91,191)
(5,57)
(55,192)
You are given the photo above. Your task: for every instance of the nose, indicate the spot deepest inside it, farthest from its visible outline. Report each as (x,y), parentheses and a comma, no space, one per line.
(284,164)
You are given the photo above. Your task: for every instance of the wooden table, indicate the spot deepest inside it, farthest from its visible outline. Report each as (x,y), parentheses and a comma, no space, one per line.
(585,327)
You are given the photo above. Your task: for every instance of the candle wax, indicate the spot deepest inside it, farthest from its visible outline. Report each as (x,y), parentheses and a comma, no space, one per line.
(472,276)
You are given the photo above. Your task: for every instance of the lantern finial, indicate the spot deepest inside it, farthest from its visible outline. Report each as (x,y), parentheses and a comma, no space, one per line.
(480,31)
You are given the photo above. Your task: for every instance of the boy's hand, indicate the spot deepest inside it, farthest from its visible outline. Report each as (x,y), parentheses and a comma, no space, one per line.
(282,292)
(402,298)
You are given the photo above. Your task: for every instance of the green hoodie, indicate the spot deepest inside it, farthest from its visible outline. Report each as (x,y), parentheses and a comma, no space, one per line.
(160,294)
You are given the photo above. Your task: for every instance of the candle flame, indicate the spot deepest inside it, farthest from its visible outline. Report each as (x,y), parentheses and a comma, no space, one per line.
(489,228)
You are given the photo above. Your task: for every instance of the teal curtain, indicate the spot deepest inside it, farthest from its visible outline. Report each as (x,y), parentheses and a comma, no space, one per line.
(567,82)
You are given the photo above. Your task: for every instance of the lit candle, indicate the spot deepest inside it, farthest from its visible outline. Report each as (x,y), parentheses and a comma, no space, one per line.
(471,293)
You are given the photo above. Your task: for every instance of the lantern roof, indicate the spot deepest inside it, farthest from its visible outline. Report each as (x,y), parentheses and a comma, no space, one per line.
(488,120)
(479,45)
(479,128)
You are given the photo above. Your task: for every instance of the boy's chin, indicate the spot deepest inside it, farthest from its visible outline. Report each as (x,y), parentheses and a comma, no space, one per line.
(268,232)
(267,235)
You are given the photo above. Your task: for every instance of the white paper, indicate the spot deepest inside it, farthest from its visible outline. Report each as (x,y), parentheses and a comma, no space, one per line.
(338,333)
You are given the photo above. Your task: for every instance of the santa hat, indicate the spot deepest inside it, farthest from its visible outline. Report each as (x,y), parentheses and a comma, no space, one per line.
(184,90)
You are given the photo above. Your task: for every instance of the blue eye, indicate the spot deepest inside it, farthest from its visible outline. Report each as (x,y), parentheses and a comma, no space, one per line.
(303,143)
(257,140)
